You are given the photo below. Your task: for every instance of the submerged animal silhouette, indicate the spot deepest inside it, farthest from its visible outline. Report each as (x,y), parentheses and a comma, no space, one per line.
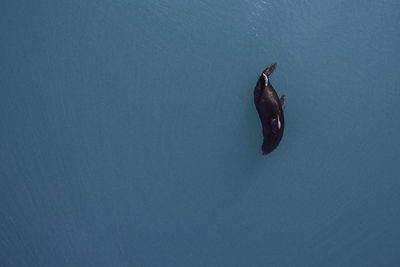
(270,109)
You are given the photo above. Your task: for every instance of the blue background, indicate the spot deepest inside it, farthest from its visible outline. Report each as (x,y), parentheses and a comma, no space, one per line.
(129,135)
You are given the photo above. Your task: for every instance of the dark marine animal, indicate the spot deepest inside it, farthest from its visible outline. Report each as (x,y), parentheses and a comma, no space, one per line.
(270,110)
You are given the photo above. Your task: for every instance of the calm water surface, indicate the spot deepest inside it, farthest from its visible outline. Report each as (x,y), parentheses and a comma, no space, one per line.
(129,136)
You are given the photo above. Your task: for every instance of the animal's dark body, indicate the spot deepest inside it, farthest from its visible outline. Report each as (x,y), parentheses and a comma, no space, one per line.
(270,109)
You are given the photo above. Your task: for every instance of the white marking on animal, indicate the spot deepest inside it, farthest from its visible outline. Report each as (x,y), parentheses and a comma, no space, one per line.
(265,79)
(279,123)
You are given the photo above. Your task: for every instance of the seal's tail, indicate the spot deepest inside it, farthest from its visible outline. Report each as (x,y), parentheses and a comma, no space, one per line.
(268,71)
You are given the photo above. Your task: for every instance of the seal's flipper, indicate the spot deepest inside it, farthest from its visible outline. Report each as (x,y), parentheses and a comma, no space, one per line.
(270,69)
(283,101)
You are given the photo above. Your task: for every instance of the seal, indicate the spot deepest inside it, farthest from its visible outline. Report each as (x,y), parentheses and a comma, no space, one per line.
(270,110)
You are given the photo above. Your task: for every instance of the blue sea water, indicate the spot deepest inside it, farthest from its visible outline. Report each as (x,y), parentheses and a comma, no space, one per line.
(129,135)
